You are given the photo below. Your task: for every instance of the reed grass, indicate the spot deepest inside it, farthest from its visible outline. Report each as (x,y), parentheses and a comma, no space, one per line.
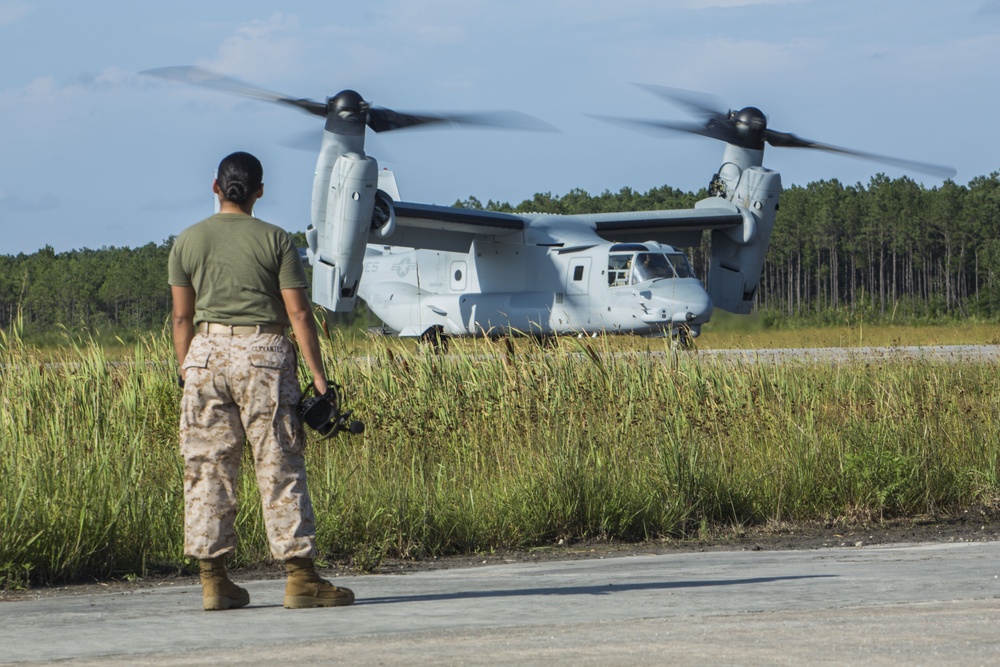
(493,446)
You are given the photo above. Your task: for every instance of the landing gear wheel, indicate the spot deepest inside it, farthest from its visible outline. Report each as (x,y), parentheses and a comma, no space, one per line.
(684,339)
(547,341)
(435,338)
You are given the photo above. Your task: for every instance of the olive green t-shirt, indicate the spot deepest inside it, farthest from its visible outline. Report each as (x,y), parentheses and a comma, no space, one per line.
(238,266)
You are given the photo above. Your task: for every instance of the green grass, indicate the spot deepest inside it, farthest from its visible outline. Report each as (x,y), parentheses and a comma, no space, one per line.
(495,446)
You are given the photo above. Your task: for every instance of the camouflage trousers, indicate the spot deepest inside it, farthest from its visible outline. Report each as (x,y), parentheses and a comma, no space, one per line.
(241,388)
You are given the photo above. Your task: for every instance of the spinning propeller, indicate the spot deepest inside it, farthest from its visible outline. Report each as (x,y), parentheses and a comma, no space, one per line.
(348,106)
(747,128)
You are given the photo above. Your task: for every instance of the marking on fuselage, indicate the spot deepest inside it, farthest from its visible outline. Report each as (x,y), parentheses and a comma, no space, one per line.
(403,267)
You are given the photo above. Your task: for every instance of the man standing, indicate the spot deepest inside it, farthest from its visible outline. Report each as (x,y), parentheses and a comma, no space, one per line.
(237,284)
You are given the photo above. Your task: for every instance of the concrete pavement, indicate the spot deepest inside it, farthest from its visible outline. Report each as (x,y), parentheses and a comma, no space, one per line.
(904,604)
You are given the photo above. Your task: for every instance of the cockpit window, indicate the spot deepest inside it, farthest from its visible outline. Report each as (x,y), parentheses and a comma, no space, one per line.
(651,266)
(681,265)
(634,268)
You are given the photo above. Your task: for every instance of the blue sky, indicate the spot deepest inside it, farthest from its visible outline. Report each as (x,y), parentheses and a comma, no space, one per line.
(93,155)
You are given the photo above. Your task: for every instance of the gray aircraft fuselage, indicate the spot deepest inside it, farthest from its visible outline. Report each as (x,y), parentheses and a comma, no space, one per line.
(500,287)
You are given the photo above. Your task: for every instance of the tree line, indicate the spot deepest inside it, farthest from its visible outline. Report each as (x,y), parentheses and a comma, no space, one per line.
(112,291)
(119,289)
(889,249)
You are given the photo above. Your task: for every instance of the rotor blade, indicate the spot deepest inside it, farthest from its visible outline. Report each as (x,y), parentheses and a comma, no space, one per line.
(788,140)
(208,79)
(381,119)
(700,104)
(712,130)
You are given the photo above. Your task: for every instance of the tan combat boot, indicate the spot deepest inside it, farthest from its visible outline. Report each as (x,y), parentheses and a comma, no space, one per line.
(217,591)
(305,588)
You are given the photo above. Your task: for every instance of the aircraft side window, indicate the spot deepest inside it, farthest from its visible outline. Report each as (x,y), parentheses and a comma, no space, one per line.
(681,266)
(618,269)
(578,273)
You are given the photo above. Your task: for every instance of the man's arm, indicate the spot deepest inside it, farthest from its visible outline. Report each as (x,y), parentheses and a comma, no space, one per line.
(183,321)
(304,326)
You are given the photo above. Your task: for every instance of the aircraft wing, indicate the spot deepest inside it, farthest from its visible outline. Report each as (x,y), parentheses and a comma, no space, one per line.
(682,227)
(446,228)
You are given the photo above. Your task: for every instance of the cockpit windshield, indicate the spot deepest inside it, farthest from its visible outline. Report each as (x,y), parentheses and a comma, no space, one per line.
(634,268)
(681,265)
(650,266)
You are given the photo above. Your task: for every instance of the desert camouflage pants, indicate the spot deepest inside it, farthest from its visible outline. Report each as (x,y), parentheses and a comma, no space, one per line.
(243,387)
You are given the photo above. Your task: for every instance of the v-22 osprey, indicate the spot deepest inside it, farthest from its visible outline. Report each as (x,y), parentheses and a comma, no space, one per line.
(435,271)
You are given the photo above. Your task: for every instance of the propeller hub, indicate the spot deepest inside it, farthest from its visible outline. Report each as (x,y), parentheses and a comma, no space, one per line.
(752,117)
(750,125)
(348,105)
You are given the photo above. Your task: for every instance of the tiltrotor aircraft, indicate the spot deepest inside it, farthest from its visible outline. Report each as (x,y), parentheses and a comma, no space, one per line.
(436,271)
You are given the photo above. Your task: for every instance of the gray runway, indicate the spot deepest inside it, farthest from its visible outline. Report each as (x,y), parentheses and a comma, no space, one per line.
(936,353)
(904,604)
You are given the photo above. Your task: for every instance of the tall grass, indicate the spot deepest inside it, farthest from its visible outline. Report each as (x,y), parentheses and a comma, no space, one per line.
(494,446)
(89,478)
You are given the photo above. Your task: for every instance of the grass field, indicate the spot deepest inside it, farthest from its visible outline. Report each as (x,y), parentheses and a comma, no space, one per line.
(495,446)
(736,331)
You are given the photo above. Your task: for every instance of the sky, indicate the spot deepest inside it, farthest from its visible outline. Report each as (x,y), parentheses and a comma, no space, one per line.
(94,154)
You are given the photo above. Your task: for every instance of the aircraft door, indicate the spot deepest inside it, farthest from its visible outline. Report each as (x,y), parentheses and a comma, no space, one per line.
(576,303)
(578,276)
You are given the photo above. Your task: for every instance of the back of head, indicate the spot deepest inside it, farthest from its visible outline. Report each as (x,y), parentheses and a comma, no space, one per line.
(240,175)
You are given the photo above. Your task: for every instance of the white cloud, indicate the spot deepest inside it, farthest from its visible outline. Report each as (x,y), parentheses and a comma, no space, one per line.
(12,12)
(71,96)
(260,50)
(41,88)
(113,76)
(40,98)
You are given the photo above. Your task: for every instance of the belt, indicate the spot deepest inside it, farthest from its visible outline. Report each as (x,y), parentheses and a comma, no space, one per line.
(239,329)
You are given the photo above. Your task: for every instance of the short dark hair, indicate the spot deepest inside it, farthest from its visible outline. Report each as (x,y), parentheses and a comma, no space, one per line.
(239,176)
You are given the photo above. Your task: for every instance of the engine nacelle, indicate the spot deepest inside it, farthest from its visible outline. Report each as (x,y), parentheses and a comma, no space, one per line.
(738,254)
(383,216)
(341,239)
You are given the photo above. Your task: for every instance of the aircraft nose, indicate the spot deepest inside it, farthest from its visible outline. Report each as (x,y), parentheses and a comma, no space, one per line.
(686,303)
(698,307)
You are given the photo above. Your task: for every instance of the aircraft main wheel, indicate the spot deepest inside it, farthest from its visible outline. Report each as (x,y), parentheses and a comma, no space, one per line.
(436,339)
(685,340)
(547,342)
